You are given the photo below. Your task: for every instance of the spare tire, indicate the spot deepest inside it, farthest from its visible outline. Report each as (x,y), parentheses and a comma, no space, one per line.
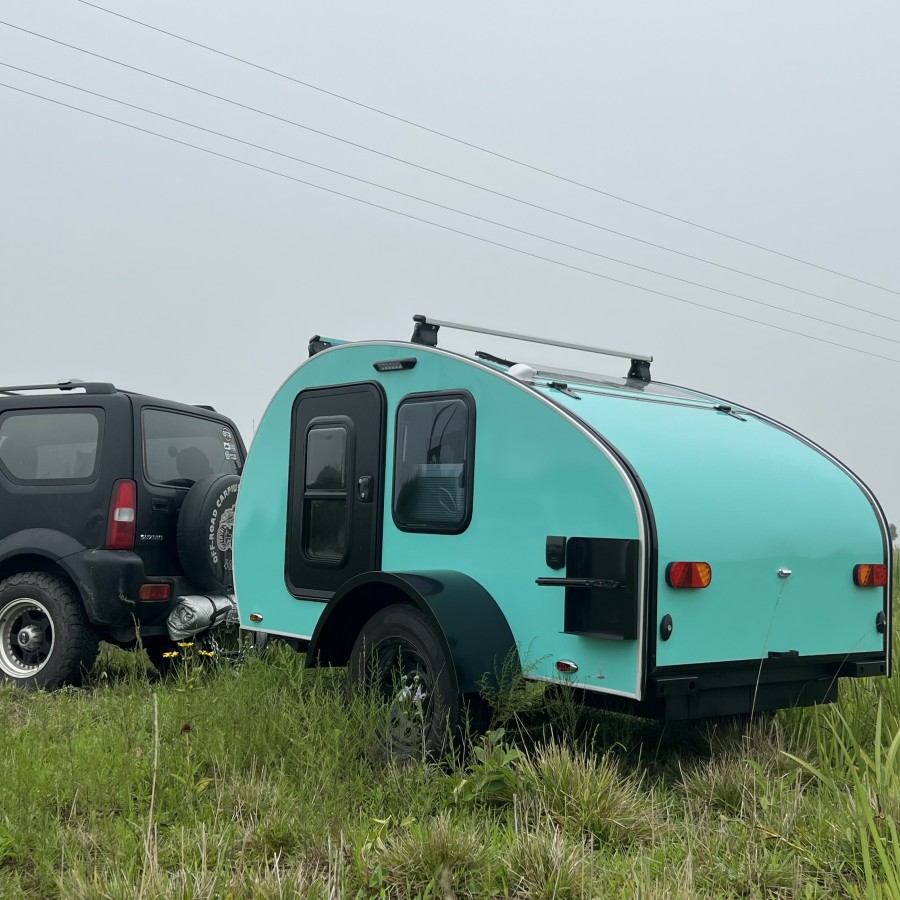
(205,526)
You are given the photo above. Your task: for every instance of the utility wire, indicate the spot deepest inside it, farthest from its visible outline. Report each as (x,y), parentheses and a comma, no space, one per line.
(440,174)
(448,228)
(445,207)
(486,150)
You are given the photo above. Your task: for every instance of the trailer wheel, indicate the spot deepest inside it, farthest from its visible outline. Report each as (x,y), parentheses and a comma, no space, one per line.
(397,654)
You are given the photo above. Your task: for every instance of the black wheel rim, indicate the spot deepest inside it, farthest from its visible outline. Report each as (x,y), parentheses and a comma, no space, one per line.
(402,676)
(26,637)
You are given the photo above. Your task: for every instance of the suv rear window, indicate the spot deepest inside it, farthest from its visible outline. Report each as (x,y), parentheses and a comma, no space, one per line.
(180,449)
(52,447)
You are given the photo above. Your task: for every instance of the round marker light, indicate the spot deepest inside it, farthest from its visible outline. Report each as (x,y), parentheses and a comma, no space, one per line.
(566,666)
(688,574)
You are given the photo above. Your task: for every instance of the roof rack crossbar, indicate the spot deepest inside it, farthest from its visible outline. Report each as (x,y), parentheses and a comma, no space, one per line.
(89,387)
(422,320)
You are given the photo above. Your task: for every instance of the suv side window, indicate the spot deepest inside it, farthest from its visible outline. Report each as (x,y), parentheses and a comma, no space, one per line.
(51,447)
(180,449)
(434,456)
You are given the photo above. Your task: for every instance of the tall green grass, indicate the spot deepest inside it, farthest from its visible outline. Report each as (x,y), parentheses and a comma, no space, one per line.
(269,781)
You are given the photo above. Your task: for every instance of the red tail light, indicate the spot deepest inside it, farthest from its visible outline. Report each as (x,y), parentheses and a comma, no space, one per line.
(688,574)
(122,522)
(155,591)
(870,575)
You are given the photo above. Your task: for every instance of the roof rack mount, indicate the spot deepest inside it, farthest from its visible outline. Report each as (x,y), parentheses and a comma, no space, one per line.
(425,332)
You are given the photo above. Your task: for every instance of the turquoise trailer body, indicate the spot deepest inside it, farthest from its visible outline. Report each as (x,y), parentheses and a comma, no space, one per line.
(540,515)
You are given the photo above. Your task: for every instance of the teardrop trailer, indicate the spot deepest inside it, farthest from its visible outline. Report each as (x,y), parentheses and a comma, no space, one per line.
(424,516)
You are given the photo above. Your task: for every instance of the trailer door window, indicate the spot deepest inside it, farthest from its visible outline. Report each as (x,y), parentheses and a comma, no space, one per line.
(325,494)
(433,460)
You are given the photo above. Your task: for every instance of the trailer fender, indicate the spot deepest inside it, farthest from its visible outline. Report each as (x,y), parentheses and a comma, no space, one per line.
(466,618)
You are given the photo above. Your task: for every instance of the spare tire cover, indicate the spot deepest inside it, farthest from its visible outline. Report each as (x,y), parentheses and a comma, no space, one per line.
(205,527)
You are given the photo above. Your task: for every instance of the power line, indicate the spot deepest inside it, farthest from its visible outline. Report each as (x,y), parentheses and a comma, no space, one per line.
(440,174)
(486,150)
(447,208)
(449,228)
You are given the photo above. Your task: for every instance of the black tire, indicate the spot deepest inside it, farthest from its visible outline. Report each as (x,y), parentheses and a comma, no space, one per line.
(46,640)
(156,647)
(399,655)
(204,532)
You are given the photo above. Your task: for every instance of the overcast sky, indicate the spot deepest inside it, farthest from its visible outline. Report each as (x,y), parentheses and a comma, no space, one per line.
(167,270)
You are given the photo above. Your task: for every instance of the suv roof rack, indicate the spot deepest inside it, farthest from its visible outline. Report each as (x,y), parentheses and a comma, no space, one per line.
(425,332)
(89,387)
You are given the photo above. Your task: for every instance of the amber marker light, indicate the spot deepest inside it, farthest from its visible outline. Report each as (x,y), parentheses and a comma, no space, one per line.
(688,574)
(870,575)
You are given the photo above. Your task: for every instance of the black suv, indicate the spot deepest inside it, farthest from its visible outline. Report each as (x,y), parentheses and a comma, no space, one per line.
(112,505)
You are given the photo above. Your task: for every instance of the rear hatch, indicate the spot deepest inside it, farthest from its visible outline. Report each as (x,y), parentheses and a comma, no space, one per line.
(781,524)
(175,446)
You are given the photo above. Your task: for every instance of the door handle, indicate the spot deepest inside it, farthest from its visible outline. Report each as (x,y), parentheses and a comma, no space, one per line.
(364,485)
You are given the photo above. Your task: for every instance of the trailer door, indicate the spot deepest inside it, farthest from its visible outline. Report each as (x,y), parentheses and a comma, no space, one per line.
(336,487)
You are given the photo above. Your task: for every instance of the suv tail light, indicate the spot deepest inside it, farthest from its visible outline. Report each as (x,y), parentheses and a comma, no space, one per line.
(122,523)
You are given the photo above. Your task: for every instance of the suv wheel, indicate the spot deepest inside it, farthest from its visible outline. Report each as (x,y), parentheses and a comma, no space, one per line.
(45,637)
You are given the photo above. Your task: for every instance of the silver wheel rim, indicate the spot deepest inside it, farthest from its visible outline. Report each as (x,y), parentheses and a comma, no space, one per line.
(26,637)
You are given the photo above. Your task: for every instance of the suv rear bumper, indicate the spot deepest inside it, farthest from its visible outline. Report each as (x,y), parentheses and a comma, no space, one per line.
(110,584)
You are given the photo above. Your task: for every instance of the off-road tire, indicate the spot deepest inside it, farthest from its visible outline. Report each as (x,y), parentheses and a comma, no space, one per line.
(204,536)
(399,655)
(46,640)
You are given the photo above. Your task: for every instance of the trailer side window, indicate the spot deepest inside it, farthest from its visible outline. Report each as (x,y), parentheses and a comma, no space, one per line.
(433,461)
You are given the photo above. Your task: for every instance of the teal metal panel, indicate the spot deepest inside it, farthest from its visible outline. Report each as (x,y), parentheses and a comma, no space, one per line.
(750,499)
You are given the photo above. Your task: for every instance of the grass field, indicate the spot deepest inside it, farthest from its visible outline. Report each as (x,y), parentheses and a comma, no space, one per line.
(268,781)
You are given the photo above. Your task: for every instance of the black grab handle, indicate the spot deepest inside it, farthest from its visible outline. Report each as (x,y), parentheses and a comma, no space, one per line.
(608,583)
